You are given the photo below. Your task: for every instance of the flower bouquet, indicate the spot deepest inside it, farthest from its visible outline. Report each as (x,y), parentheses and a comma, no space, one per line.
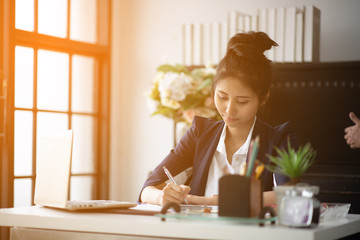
(179,92)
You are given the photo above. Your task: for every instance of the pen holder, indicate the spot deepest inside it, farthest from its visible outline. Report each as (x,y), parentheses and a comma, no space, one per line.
(240,196)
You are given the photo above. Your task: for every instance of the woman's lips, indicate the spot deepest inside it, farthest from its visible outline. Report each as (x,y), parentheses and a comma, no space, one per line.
(228,119)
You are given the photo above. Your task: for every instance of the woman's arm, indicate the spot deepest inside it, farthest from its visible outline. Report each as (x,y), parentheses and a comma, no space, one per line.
(164,193)
(179,159)
(174,193)
(269,198)
(201,200)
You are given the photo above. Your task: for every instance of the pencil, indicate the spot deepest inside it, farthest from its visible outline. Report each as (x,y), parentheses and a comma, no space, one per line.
(252,158)
(258,170)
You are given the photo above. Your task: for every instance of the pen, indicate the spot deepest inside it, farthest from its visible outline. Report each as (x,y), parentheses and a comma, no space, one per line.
(171,178)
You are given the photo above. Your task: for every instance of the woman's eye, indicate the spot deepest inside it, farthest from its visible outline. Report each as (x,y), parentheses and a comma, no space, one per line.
(243,102)
(222,97)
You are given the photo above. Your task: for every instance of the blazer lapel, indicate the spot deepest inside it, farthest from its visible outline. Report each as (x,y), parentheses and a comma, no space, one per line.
(261,131)
(264,131)
(203,157)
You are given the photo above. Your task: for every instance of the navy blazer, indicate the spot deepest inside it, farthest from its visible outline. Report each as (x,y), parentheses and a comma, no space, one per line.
(197,147)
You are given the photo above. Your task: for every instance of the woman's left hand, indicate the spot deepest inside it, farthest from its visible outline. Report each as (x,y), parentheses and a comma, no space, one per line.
(201,200)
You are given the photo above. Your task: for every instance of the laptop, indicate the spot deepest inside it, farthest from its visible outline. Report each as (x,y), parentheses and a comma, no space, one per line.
(53,156)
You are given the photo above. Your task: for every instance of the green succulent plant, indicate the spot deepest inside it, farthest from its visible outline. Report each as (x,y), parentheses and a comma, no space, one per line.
(292,163)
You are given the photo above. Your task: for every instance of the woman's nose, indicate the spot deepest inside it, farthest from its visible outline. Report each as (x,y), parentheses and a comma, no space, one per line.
(230,109)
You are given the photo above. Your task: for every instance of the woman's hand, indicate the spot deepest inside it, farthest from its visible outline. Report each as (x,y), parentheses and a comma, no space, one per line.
(174,193)
(200,200)
(352,134)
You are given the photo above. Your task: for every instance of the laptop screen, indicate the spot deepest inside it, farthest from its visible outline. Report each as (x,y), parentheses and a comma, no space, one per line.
(53,158)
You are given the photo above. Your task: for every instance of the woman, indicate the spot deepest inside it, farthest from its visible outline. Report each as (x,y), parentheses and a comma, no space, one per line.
(241,86)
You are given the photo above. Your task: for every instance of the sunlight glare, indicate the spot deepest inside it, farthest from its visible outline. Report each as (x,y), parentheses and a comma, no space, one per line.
(53,80)
(24,15)
(53,17)
(23,143)
(83,20)
(24,75)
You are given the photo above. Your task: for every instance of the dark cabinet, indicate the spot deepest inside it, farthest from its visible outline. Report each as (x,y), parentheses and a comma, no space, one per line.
(317,99)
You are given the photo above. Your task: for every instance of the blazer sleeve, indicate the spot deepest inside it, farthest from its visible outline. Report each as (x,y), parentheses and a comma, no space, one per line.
(179,158)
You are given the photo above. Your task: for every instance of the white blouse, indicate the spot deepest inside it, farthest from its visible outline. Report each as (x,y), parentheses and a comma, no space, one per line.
(219,162)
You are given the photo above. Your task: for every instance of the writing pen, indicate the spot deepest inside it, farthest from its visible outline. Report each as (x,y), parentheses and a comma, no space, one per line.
(171,178)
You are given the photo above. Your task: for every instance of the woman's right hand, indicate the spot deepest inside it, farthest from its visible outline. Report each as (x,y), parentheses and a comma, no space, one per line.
(174,193)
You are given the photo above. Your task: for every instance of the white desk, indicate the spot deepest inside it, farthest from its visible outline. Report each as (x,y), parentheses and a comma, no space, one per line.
(120,226)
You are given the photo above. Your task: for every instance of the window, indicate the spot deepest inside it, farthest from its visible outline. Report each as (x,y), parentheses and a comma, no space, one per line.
(57,78)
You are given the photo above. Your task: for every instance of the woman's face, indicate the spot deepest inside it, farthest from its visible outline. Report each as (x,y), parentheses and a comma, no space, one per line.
(236,103)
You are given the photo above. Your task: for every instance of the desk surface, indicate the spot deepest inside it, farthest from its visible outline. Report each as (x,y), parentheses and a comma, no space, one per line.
(137,225)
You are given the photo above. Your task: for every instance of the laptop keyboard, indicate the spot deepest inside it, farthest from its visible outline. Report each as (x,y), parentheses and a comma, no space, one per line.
(91,203)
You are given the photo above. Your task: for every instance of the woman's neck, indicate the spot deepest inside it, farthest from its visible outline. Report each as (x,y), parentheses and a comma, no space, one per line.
(235,138)
(240,133)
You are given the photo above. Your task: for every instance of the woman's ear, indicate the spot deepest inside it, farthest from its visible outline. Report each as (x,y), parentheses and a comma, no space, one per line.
(266,98)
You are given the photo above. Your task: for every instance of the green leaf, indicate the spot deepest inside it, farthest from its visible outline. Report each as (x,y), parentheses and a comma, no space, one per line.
(207,82)
(197,73)
(167,68)
(178,68)
(290,162)
(192,101)
(167,112)
(182,68)
(201,73)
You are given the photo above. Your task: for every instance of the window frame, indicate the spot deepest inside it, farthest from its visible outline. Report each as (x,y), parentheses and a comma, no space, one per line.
(101,51)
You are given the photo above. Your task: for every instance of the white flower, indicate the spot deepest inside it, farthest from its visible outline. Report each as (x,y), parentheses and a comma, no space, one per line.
(174,86)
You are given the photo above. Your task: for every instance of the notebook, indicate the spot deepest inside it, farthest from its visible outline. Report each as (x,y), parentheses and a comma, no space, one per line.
(53,156)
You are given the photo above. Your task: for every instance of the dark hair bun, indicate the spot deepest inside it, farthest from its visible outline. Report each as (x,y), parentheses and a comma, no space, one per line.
(245,60)
(250,44)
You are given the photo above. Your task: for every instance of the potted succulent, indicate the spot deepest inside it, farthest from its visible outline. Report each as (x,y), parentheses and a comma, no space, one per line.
(293,164)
